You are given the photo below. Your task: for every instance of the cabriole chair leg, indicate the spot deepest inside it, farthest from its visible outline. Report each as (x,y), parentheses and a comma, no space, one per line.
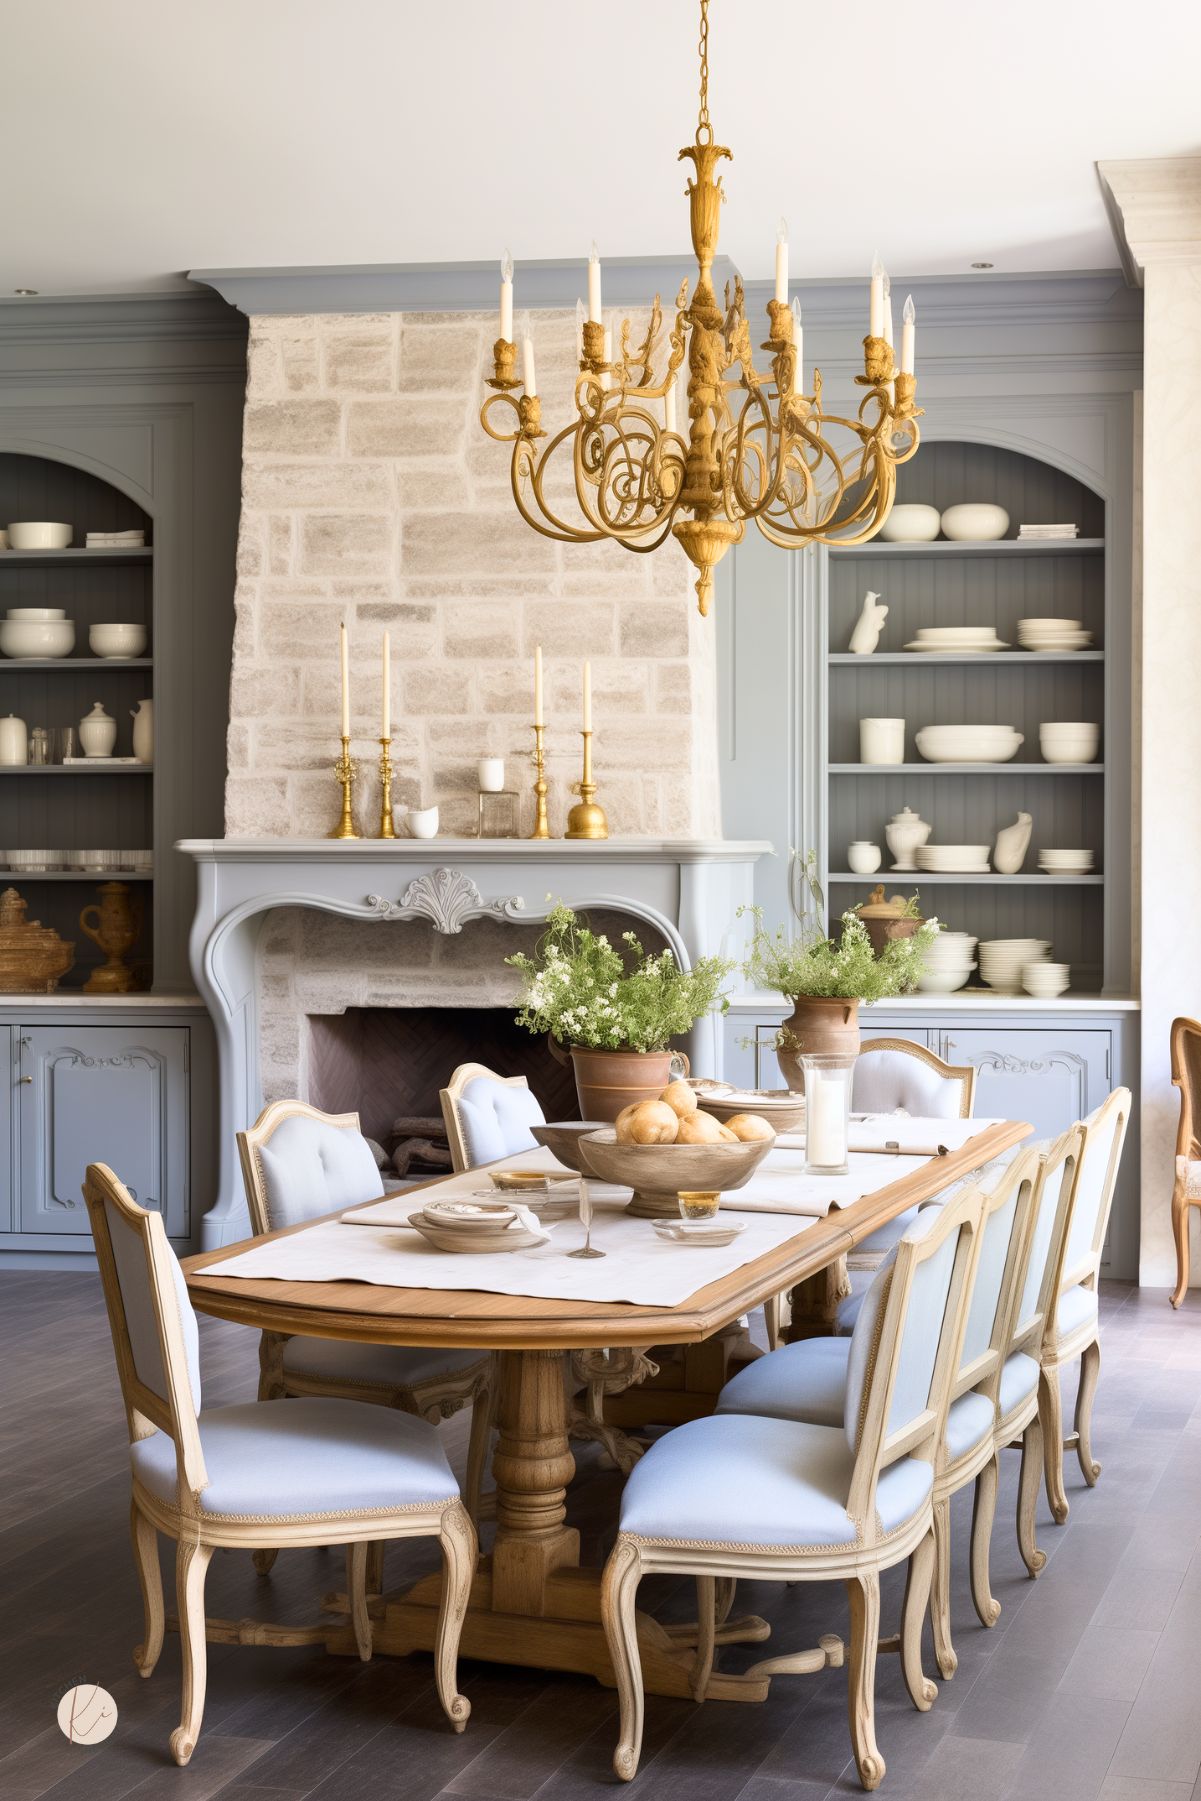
(150,1578)
(983,1513)
(940,1592)
(619,1594)
(1029,1483)
(191,1567)
(922,1692)
(1090,1369)
(864,1595)
(1050,1412)
(459,1551)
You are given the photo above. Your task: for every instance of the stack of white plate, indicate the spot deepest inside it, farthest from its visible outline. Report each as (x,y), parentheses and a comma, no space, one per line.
(948,963)
(1053,634)
(1069,741)
(1065,862)
(37,632)
(1002,960)
(953,859)
(1045,980)
(962,639)
(968,743)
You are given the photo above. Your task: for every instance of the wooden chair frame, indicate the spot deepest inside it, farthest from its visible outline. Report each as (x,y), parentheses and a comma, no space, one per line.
(1085,1341)
(964,1072)
(1188,1146)
(452,1094)
(436,1398)
(198,1534)
(858,1565)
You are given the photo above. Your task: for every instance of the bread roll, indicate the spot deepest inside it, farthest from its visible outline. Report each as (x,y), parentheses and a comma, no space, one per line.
(699,1128)
(751,1128)
(725,1134)
(680,1098)
(647,1122)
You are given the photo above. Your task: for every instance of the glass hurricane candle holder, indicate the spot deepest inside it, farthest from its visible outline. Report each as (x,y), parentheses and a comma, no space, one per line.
(698,1203)
(827,1114)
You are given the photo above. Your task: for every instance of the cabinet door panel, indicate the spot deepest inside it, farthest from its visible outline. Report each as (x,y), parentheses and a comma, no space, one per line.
(115,1095)
(7,1147)
(1050,1078)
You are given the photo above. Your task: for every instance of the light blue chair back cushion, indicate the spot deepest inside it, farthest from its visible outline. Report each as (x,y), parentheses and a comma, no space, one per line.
(918,1347)
(495,1120)
(1040,1245)
(310,1167)
(141,1321)
(1090,1190)
(990,1274)
(888,1079)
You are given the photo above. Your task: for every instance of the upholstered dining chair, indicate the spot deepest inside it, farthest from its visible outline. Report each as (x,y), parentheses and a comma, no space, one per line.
(297,1164)
(807,1381)
(317,1472)
(487,1116)
(1186,1190)
(1072,1324)
(744,1495)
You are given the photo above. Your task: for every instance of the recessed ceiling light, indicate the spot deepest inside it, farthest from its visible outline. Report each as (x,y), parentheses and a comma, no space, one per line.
(983,265)
(24,290)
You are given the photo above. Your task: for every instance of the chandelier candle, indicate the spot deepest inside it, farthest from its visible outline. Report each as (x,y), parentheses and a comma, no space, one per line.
(506,298)
(755,446)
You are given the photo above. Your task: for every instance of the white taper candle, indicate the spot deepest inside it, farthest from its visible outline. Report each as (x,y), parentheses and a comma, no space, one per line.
(344,652)
(506,298)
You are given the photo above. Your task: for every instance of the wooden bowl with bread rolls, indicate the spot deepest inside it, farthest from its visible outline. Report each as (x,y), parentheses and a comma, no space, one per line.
(659,1147)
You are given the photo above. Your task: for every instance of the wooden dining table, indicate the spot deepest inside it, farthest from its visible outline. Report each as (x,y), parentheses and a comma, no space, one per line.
(533,1603)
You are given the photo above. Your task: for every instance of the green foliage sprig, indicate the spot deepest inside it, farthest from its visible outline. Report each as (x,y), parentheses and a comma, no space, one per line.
(847,968)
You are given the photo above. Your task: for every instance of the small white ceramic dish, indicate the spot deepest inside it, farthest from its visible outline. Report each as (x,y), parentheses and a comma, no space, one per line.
(911,524)
(36,613)
(39,534)
(23,639)
(479,1243)
(962,648)
(116,642)
(975,522)
(710,1233)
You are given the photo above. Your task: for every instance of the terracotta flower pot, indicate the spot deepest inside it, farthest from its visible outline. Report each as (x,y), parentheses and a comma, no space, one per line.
(817,1028)
(607,1081)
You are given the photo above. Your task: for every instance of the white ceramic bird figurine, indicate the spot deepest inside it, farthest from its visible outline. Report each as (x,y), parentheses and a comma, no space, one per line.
(868,626)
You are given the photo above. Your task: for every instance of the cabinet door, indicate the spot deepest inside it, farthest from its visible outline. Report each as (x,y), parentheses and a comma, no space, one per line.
(102,1094)
(7,1146)
(1047,1077)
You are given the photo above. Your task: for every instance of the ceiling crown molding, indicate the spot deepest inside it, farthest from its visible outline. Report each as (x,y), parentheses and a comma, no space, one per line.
(1154,206)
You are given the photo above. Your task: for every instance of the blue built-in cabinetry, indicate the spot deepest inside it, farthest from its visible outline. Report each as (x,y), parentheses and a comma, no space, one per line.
(1029,391)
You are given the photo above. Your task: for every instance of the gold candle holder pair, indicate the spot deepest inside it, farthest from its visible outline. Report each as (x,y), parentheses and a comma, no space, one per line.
(344,771)
(587,818)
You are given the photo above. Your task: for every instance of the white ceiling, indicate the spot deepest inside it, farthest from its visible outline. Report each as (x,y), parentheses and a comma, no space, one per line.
(141,138)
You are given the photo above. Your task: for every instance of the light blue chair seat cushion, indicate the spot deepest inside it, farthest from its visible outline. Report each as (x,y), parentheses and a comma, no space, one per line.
(736,1479)
(495,1120)
(1077,1307)
(1019,1380)
(378,1365)
(969,1420)
(803,1381)
(848,1310)
(284,1459)
(887,1235)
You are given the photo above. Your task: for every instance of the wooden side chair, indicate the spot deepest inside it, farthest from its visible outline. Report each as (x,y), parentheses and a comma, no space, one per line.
(1186,1190)
(487,1116)
(317,1472)
(1072,1325)
(298,1164)
(739,1494)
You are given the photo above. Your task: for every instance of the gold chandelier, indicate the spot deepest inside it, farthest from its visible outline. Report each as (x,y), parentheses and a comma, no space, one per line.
(756,444)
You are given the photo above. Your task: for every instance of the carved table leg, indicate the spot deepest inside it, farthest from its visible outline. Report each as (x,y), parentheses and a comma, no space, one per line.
(533,1465)
(814,1302)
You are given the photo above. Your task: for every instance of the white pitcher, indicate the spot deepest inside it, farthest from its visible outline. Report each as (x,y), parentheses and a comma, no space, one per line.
(143,730)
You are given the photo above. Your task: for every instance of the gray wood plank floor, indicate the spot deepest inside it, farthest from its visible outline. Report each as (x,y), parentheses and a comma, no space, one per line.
(1088,1688)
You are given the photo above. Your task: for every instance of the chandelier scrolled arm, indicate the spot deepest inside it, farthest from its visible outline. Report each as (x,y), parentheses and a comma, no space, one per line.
(754,446)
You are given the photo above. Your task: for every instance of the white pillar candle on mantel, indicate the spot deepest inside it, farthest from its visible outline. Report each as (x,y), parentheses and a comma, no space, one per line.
(506,298)
(782,263)
(538,719)
(594,285)
(386,728)
(587,697)
(908,334)
(492,775)
(876,316)
(528,375)
(344,652)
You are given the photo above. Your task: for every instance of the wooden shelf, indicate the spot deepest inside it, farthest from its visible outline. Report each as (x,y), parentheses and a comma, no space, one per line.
(74,558)
(878,769)
(895,658)
(999,547)
(94,664)
(920,877)
(76,875)
(78,769)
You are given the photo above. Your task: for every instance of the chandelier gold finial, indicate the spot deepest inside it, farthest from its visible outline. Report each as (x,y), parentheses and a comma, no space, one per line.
(755,446)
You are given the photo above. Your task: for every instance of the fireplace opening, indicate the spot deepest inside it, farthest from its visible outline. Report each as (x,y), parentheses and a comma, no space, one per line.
(387,1064)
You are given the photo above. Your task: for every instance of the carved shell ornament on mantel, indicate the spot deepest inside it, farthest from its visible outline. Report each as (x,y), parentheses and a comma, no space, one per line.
(448,899)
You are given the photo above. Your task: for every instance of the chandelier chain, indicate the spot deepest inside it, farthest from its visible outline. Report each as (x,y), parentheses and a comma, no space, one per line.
(704,130)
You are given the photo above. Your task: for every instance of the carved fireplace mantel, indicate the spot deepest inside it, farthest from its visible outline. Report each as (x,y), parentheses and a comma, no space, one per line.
(689,890)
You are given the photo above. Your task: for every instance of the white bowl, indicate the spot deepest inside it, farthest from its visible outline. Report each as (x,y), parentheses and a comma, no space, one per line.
(21,638)
(36,613)
(117,642)
(943,981)
(975,522)
(911,525)
(1069,744)
(421,822)
(33,859)
(1042,984)
(967,744)
(39,534)
(984,634)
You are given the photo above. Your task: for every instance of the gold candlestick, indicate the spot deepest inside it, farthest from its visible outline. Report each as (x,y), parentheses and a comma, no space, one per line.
(344,770)
(586,819)
(541,823)
(386,828)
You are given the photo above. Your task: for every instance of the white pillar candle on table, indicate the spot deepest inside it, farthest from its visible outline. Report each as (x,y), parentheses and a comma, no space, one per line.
(506,298)
(527,367)
(825,1119)
(587,697)
(798,338)
(386,729)
(594,285)
(492,775)
(876,317)
(538,719)
(782,263)
(908,334)
(345,657)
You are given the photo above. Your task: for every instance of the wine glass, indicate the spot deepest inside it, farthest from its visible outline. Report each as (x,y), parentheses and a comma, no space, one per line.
(586,1249)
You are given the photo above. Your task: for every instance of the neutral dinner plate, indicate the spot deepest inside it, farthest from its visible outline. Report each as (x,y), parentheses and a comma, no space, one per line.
(678,1231)
(968,647)
(476,1244)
